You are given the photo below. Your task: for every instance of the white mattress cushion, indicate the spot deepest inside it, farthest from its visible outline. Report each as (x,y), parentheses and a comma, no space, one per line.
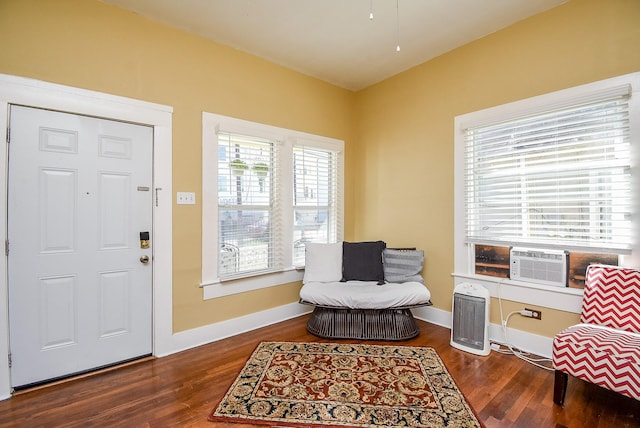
(364,294)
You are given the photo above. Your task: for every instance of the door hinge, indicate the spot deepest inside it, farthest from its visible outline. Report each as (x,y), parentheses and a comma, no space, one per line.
(6,247)
(10,360)
(8,135)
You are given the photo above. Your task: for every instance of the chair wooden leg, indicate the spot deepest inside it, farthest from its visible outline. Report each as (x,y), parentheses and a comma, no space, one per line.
(560,387)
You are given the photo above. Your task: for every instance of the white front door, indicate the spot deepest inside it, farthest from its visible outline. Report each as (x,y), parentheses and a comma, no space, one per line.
(80,291)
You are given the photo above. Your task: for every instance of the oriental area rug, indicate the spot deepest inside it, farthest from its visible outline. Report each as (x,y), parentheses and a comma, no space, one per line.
(290,384)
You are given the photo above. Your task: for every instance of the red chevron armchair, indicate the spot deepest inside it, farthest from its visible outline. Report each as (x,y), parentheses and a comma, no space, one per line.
(604,348)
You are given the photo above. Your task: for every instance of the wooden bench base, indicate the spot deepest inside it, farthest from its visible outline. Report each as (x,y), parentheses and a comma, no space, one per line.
(363,324)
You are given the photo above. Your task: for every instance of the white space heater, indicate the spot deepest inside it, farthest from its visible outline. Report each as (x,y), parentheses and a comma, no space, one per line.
(470,326)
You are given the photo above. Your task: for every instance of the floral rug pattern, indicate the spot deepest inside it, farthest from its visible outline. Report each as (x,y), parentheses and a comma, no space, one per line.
(344,385)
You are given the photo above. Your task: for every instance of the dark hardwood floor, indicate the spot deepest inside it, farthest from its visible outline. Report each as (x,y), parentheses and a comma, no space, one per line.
(180,390)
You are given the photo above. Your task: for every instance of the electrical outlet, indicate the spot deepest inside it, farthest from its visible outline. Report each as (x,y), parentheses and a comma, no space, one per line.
(535,313)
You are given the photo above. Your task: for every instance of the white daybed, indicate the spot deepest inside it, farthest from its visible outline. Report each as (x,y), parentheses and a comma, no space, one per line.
(378,308)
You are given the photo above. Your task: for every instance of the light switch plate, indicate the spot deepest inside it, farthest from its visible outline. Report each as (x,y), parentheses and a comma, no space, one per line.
(186,198)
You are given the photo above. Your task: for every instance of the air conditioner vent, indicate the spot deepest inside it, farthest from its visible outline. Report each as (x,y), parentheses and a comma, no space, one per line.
(547,267)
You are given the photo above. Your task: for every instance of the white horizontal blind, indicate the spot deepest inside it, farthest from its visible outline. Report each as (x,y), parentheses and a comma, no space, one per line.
(560,178)
(315,198)
(249,220)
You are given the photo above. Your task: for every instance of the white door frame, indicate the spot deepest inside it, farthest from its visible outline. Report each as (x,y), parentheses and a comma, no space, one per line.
(34,93)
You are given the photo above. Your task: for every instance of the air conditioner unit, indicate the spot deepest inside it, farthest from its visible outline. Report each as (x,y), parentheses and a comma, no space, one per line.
(470,324)
(548,267)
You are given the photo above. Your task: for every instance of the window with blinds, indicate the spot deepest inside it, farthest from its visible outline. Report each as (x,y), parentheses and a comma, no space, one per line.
(315,198)
(248,214)
(266,191)
(559,178)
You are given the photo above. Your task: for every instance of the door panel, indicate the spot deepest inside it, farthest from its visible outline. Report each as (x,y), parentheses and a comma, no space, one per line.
(58,208)
(59,323)
(79,297)
(114,303)
(114,209)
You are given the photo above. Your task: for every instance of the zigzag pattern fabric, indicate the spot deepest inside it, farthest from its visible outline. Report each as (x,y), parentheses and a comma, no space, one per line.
(612,297)
(605,348)
(600,355)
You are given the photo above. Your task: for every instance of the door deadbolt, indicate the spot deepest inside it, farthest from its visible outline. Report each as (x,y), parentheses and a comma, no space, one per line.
(144,259)
(144,240)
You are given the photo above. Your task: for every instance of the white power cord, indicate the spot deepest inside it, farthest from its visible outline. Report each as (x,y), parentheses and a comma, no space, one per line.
(525,356)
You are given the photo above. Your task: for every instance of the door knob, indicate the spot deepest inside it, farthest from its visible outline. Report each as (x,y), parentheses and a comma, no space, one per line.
(144,259)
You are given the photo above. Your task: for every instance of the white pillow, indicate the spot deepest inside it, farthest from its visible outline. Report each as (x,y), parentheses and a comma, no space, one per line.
(323,262)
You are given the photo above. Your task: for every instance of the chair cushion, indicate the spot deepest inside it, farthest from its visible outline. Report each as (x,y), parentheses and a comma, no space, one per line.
(612,297)
(364,295)
(601,355)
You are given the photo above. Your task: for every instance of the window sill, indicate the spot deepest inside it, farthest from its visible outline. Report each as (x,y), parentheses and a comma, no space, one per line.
(560,298)
(215,289)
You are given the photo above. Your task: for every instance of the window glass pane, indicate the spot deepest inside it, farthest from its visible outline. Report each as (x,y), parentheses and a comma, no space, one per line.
(223,184)
(245,241)
(247,168)
(314,198)
(309,226)
(245,205)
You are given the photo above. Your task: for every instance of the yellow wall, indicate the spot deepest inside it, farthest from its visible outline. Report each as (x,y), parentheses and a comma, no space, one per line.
(398,134)
(92,45)
(404,136)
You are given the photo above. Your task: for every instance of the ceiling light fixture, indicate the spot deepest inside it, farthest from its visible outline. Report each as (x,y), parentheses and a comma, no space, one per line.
(397,27)
(371,10)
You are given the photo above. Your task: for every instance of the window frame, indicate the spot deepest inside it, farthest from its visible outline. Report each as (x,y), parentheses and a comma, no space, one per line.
(212,123)
(464,256)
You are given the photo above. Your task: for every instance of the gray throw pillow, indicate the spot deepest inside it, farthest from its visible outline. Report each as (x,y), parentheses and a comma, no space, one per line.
(403,265)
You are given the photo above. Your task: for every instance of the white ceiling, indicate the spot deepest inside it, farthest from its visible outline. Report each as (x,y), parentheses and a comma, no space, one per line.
(334,40)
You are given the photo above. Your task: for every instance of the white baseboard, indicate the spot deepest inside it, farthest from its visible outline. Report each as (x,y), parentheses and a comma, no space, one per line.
(539,345)
(213,332)
(529,342)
